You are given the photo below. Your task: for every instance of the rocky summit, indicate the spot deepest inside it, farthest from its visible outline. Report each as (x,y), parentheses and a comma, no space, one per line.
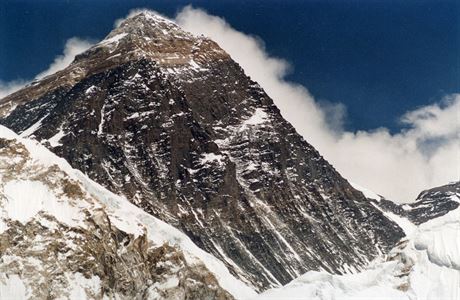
(169,121)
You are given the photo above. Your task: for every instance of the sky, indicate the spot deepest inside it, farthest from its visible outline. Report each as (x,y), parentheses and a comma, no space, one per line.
(379,58)
(371,84)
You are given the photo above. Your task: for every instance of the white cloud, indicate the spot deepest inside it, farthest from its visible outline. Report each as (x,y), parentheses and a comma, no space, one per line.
(73,46)
(7,88)
(399,166)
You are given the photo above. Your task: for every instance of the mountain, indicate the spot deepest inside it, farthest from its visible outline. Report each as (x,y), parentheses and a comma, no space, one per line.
(433,203)
(62,236)
(430,204)
(424,266)
(169,121)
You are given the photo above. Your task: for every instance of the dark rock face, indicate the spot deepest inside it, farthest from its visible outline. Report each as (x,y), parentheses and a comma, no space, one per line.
(434,203)
(177,127)
(429,204)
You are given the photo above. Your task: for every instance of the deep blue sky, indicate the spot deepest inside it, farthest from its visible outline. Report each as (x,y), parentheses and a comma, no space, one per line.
(380,58)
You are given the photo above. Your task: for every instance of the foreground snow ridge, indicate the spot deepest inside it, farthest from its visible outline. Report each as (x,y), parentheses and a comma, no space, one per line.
(425,266)
(27,199)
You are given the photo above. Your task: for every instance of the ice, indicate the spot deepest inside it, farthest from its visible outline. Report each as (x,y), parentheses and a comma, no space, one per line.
(440,238)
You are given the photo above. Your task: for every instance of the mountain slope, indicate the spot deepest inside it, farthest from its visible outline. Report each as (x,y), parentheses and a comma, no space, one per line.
(423,267)
(430,204)
(64,236)
(170,121)
(433,203)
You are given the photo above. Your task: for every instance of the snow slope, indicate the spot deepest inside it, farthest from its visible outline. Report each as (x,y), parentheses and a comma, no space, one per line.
(406,225)
(122,214)
(426,266)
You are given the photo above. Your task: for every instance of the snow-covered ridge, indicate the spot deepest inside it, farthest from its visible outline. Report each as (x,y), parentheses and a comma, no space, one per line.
(122,214)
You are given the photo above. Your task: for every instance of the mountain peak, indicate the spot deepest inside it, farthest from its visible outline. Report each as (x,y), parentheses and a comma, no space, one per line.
(147,17)
(149,35)
(144,36)
(148,26)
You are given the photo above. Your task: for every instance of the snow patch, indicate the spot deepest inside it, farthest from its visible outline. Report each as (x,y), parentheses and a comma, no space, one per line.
(114,39)
(196,66)
(29,131)
(407,226)
(259,117)
(100,128)
(211,157)
(80,285)
(3,226)
(12,287)
(170,283)
(90,90)
(25,199)
(54,140)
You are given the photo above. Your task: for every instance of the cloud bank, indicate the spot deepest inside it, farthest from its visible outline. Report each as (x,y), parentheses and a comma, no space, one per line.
(398,166)
(73,46)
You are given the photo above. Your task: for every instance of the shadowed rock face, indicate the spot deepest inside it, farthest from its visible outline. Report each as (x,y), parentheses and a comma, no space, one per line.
(434,203)
(171,122)
(430,204)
